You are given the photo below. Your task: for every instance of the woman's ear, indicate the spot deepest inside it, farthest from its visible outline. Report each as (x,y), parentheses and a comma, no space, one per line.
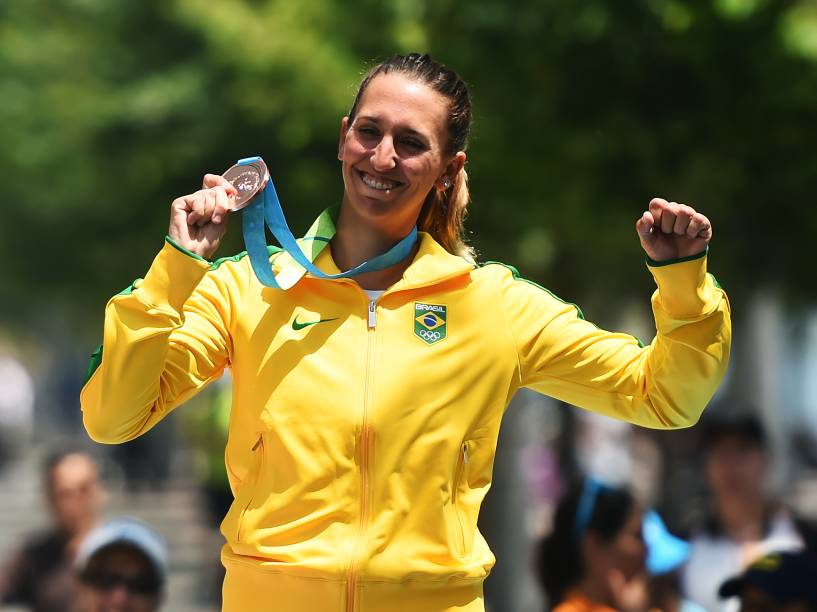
(344,127)
(452,169)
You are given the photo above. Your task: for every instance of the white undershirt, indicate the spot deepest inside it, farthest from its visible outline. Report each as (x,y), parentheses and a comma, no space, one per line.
(713,559)
(374,294)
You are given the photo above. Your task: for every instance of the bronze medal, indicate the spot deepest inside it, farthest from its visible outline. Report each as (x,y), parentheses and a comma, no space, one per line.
(248,179)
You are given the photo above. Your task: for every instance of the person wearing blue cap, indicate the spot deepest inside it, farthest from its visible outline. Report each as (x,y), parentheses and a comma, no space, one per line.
(777,582)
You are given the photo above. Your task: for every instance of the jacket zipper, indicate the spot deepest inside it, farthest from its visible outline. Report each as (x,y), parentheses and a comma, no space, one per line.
(259,459)
(462,465)
(365,433)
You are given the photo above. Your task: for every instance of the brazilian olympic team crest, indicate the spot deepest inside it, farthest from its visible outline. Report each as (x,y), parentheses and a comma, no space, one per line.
(429,322)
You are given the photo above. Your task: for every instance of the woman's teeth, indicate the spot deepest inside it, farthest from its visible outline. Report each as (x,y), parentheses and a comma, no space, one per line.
(379,184)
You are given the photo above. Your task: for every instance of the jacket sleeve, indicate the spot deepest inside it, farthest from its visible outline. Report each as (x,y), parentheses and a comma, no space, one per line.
(664,385)
(164,339)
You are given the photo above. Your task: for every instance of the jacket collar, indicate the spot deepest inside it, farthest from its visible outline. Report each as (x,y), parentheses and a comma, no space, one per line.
(432,263)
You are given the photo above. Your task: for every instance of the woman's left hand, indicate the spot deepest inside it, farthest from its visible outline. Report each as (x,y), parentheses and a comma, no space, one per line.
(669,230)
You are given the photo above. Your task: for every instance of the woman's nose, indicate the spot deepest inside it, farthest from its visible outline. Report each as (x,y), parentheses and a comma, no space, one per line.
(384,155)
(118,597)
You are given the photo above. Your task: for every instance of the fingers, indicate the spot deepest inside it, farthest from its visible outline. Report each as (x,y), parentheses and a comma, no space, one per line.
(216,180)
(668,219)
(656,209)
(224,195)
(207,205)
(699,227)
(675,218)
(196,205)
(682,218)
(644,226)
(223,204)
(199,220)
(616,581)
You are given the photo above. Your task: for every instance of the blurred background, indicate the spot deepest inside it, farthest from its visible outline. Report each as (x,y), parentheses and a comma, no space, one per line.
(583,112)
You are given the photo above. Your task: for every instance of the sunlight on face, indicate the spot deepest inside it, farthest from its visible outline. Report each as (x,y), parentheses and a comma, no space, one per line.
(75,493)
(627,551)
(736,467)
(393,151)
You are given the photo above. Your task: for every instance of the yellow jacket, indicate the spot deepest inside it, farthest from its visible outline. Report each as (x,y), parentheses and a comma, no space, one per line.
(362,435)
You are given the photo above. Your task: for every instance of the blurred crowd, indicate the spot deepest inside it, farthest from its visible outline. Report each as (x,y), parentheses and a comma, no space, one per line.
(81,563)
(747,551)
(606,549)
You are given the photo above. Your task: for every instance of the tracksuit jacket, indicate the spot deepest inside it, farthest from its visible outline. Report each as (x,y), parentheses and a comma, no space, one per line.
(363,433)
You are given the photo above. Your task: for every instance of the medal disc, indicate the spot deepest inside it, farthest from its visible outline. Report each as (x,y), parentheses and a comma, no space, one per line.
(248,179)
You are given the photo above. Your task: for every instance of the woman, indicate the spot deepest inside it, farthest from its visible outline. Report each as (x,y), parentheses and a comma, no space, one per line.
(595,558)
(366,412)
(602,548)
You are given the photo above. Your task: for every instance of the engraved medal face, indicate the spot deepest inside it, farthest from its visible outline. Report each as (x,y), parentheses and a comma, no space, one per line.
(248,179)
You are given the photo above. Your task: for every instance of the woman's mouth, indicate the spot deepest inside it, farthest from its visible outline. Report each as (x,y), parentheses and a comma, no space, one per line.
(380,184)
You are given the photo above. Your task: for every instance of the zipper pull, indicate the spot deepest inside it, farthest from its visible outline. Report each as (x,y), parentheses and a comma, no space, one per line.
(372,315)
(258,442)
(465,454)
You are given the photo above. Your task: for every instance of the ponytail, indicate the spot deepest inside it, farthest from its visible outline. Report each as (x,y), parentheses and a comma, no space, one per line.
(443,216)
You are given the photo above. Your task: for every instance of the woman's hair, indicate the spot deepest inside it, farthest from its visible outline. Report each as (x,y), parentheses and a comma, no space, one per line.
(443,211)
(588,506)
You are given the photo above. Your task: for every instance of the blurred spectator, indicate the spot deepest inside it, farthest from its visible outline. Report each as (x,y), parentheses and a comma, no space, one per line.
(602,550)
(16,407)
(744,521)
(594,559)
(122,567)
(778,582)
(40,575)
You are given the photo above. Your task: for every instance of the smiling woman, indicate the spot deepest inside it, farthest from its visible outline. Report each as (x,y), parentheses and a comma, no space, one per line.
(366,412)
(403,153)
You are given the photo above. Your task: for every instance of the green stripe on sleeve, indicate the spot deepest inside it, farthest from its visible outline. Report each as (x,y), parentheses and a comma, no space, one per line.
(519,277)
(180,248)
(669,262)
(93,363)
(579,313)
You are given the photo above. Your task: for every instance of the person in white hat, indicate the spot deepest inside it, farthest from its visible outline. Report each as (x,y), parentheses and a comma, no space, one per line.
(121,567)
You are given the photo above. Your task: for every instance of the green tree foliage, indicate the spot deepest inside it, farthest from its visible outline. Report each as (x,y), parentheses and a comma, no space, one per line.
(588,109)
(583,111)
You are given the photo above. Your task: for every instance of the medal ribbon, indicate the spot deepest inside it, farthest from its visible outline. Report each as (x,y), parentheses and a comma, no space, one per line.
(265,208)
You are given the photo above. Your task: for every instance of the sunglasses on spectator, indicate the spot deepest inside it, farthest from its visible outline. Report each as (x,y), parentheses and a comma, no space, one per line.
(108,581)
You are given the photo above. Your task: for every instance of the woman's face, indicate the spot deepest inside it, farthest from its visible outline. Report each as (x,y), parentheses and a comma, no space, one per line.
(625,553)
(394,152)
(627,550)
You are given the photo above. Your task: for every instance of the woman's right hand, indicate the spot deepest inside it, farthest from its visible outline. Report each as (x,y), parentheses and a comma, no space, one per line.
(629,594)
(198,221)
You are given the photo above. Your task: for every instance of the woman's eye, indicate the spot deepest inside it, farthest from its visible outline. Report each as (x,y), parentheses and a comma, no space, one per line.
(368,131)
(414,144)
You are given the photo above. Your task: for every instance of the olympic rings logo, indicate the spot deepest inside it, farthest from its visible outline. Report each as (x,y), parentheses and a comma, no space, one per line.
(431,336)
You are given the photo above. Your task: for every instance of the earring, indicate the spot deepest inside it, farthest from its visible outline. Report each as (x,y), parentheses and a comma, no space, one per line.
(446,183)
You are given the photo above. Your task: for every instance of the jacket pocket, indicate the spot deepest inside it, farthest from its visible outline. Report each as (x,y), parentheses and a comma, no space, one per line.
(250,486)
(460,483)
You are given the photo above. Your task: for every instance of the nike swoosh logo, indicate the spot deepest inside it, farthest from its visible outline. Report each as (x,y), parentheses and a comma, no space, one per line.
(296,326)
